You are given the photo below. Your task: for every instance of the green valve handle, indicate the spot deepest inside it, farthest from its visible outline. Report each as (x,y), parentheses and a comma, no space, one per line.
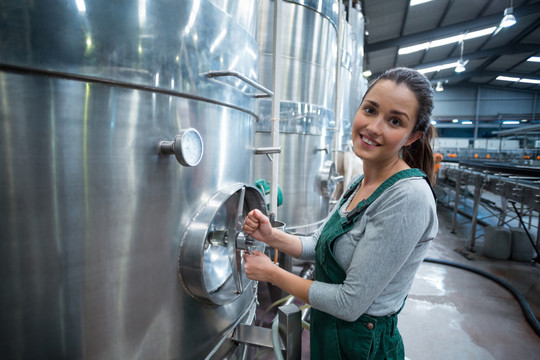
(264,187)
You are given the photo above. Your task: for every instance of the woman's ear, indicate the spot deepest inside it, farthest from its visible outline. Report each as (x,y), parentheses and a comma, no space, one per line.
(415,136)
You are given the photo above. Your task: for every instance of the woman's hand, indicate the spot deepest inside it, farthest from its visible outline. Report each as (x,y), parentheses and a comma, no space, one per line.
(258,266)
(258,226)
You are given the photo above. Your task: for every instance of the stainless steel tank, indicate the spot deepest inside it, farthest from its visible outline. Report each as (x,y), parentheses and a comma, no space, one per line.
(110,248)
(351,88)
(307,116)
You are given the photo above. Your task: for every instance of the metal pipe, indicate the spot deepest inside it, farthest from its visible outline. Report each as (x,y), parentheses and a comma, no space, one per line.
(219,73)
(337,133)
(276,104)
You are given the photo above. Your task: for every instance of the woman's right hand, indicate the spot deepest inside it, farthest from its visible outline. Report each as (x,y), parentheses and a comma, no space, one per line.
(258,226)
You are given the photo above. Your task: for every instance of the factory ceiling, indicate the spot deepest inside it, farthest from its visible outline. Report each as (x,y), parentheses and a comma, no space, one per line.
(493,55)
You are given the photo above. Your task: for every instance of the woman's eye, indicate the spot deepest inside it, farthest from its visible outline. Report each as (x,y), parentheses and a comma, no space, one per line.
(395,121)
(369,110)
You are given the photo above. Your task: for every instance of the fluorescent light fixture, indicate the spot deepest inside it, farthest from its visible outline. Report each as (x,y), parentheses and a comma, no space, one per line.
(534,59)
(367,73)
(507,78)
(479,33)
(438,67)
(530,81)
(510,122)
(508,18)
(433,122)
(439,86)
(455,121)
(446,41)
(466,122)
(413,48)
(524,120)
(418,2)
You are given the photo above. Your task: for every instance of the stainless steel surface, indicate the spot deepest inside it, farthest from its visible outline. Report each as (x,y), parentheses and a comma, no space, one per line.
(290,328)
(308,52)
(306,121)
(254,335)
(91,216)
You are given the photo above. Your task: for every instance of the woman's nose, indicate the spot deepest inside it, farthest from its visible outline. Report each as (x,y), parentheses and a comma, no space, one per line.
(375,125)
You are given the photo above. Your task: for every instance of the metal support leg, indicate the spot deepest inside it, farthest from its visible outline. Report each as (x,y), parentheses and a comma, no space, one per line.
(456,203)
(290,329)
(478,185)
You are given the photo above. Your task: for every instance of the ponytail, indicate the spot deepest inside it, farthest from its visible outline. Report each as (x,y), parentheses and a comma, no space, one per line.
(419,154)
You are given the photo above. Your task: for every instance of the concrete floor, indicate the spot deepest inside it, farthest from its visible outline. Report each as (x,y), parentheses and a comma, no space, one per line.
(456,314)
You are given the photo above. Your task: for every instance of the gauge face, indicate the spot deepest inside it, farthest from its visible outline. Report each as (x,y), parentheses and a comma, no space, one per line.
(190,149)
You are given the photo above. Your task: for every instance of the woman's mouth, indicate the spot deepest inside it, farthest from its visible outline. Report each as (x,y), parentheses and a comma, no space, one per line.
(369,141)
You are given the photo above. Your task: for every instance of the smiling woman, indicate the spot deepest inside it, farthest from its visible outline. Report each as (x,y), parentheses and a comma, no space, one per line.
(364,268)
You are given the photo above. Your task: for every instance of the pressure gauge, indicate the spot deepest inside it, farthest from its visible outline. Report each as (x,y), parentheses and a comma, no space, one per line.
(188,147)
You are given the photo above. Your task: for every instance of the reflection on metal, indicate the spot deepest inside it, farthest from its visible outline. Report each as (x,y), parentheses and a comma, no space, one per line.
(187,147)
(209,258)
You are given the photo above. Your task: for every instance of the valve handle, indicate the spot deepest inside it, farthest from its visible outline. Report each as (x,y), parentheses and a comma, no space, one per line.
(235,257)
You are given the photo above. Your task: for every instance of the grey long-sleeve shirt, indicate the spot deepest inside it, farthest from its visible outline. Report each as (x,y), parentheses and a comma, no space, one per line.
(380,254)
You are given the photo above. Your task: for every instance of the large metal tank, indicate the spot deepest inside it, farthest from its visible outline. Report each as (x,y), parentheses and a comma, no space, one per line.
(110,248)
(307,118)
(351,88)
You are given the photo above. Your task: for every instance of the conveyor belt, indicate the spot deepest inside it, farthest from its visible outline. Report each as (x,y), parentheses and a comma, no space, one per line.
(512,169)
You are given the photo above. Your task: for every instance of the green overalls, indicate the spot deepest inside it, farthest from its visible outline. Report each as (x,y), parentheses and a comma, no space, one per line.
(368,337)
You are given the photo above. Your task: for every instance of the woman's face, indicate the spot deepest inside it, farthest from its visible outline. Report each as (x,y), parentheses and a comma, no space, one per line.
(384,122)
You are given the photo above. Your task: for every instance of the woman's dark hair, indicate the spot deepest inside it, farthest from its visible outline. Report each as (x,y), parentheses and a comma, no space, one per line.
(419,154)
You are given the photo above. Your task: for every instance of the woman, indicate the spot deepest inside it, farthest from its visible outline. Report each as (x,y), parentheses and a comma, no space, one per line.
(369,249)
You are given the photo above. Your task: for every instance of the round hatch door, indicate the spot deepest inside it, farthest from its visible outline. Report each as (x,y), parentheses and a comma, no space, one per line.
(210,259)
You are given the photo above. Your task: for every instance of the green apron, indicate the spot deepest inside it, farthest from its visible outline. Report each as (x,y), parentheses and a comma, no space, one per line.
(368,337)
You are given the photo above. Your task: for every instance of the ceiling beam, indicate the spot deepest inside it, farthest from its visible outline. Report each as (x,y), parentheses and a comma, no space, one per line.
(450,29)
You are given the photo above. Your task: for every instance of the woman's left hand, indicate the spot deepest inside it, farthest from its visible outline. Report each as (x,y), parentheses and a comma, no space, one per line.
(258,266)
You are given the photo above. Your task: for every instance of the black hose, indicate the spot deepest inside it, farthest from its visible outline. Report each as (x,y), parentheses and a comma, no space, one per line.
(529,315)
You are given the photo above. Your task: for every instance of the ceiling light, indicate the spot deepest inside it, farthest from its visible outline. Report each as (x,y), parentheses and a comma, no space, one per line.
(446,40)
(367,73)
(455,121)
(439,86)
(418,2)
(437,68)
(529,81)
(534,59)
(466,122)
(510,122)
(460,65)
(508,18)
(433,122)
(507,78)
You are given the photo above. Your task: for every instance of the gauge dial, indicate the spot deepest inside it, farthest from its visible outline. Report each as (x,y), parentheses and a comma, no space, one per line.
(188,147)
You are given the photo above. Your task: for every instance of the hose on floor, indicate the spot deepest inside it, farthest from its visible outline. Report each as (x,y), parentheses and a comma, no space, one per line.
(529,315)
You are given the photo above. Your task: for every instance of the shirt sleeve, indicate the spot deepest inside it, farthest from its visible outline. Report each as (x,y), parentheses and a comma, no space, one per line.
(391,234)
